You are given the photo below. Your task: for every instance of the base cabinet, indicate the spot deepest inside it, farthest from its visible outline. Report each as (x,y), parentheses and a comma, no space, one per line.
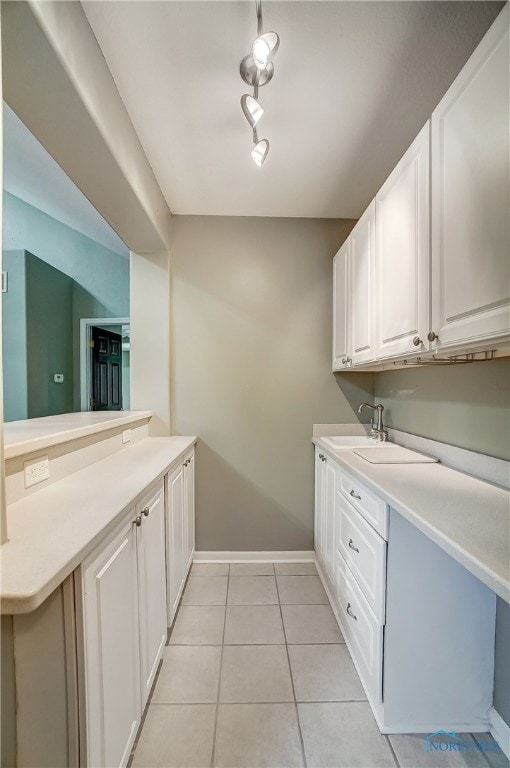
(123,631)
(419,627)
(180,543)
(111,651)
(325,513)
(151,586)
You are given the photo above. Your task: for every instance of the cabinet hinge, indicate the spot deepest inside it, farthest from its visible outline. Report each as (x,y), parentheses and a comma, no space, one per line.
(91,344)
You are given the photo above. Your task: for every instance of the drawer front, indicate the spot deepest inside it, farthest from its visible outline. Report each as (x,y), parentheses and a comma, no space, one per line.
(365,552)
(373,509)
(362,631)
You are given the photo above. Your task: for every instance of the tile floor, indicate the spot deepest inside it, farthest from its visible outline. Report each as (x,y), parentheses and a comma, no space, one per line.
(256,674)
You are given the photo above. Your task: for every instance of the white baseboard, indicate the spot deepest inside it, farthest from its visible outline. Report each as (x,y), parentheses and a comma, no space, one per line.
(500,731)
(254,557)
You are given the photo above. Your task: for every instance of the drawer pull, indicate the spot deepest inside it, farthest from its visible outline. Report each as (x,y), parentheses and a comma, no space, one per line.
(351,544)
(146,511)
(351,614)
(138,521)
(355,495)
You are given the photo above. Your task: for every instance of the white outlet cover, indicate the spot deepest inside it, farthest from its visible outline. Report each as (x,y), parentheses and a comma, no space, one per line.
(36,471)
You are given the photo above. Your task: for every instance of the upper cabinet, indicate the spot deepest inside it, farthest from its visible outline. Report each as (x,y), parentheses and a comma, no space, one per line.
(361,282)
(341,347)
(399,294)
(471,197)
(402,254)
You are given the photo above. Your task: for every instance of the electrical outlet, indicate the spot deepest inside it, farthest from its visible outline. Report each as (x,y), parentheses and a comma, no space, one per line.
(126,436)
(36,471)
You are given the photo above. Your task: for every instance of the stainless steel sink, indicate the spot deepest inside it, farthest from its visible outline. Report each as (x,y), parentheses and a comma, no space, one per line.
(345,442)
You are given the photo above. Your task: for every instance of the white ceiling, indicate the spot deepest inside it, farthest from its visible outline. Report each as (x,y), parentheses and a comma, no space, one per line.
(31,174)
(354,82)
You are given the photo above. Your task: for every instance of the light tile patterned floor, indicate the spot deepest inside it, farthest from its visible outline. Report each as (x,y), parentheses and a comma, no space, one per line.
(257,674)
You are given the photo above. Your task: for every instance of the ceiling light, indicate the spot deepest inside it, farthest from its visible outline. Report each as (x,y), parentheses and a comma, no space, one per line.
(259,152)
(264,49)
(252,109)
(257,70)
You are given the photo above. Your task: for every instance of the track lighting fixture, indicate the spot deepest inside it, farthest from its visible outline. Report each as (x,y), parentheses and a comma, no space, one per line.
(257,70)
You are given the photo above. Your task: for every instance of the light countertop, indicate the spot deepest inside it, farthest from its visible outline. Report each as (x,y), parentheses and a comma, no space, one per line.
(468,518)
(52,531)
(32,434)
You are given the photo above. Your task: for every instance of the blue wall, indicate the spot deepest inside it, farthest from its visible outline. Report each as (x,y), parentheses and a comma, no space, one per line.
(101,277)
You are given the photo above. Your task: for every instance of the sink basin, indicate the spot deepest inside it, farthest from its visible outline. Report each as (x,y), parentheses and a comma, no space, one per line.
(344,442)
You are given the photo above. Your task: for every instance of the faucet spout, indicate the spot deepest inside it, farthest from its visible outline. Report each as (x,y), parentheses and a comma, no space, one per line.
(366,405)
(378,428)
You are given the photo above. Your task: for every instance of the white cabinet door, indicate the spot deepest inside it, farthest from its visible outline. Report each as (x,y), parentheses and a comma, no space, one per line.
(329,518)
(318,531)
(402,254)
(361,293)
(175,530)
(341,348)
(151,586)
(111,650)
(189,500)
(471,197)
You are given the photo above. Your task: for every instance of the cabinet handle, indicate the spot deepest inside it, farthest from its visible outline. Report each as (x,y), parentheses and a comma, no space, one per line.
(431,336)
(324,458)
(417,341)
(321,456)
(138,521)
(355,495)
(146,511)
(344,360)
(351,614)
(351,544)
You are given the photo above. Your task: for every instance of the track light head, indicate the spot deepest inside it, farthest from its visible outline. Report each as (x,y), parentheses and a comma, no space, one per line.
(259,152)
(264,49)
(252,109)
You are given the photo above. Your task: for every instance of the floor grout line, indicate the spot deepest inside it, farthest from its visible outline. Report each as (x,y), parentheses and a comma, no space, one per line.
(390,745)
(302,743)
(216,714)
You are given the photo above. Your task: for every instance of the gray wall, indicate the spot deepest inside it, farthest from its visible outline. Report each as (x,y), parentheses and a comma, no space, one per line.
(464,405)
(252,317)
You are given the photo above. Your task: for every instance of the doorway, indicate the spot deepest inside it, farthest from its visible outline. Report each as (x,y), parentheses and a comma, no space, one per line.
(104,363)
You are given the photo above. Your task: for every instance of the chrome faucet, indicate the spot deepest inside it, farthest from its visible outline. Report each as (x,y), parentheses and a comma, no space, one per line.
(378,428)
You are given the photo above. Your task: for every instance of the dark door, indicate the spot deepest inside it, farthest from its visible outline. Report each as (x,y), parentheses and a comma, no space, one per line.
(106,370)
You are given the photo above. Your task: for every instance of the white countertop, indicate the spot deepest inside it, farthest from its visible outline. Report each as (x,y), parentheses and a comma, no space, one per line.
(32,434)
(52,531)
(468,518)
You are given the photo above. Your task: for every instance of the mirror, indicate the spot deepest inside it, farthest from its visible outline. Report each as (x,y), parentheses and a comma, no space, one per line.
(65,280)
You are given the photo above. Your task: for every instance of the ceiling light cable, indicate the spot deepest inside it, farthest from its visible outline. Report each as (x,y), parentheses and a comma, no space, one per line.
(257,70)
